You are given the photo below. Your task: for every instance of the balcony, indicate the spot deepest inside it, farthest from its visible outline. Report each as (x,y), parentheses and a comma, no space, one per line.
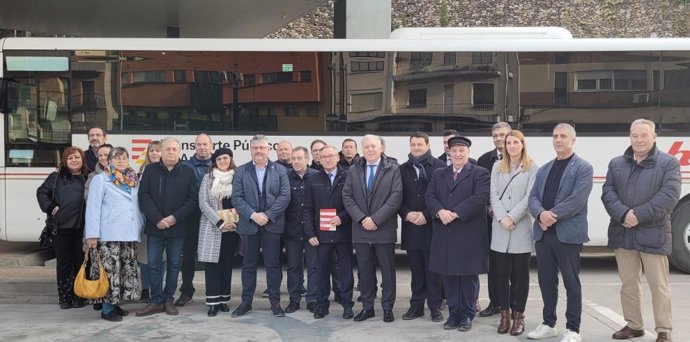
(462,72)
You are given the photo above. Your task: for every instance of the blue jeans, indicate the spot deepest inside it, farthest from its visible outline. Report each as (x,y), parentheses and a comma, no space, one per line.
(146,275)
(173,249)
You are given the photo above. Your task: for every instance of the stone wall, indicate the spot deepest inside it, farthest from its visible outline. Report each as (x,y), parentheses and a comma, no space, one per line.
(583,18)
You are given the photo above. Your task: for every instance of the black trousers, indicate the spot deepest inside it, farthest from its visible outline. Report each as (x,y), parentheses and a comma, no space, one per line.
(367,256)
(191,242)
(300,253)
(461,295)
(69,256)
(512,280)
(327,253)
(425,285)
(552,256)
(269,243)
(219,274)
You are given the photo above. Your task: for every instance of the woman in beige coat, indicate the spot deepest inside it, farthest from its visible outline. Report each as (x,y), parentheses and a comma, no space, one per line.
(511,242)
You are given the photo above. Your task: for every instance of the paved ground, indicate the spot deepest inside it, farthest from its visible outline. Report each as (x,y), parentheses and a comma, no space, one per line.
(28,313)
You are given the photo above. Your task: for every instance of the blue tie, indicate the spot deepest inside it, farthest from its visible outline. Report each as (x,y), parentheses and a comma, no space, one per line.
(372,175)
(332,176)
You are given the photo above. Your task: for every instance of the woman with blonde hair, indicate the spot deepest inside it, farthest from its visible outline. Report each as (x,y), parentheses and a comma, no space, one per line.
(512,179)
(151,155)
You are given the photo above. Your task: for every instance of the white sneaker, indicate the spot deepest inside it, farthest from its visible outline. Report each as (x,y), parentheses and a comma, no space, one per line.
(571,336)
(543,331)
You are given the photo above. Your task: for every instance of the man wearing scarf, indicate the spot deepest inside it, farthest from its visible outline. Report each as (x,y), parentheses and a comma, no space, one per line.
(416,228)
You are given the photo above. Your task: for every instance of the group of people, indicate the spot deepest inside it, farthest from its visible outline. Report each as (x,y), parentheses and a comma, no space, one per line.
(460,218)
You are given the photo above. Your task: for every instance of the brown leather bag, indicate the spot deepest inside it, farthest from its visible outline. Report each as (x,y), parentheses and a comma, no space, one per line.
(91,289)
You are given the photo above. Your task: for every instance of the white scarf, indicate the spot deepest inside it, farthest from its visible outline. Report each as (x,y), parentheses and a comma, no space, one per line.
(222,183)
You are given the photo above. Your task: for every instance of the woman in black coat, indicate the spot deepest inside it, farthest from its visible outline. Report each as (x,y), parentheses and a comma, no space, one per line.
(61,196)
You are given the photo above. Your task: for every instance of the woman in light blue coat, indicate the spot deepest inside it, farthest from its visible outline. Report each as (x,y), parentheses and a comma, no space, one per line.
(113,225)
(511,241)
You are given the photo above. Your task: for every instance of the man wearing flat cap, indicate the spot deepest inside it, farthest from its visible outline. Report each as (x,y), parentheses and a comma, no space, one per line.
(456,198)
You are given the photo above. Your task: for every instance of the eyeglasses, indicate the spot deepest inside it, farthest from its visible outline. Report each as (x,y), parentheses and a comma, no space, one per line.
(121,158)
(330,156)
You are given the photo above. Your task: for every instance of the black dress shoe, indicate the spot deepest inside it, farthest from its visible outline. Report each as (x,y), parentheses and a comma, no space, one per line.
(311,307)
(98,307)
(111,316)
(185,298)
(118,310)
(388,316)
(223,307)
(213,310)
(451,323)
(242,310)
(320,313)
(78,303)
(66,305)
(364,315)
(436,315)
(347,313)
(490,311)
(277,310)
(292,307)
(465,325)
(413,313)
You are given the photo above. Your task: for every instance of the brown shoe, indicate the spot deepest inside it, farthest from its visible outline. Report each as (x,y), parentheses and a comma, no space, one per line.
(170,308)
(518,324)
(504,326)
(150,310)
(627,333)
(664,337)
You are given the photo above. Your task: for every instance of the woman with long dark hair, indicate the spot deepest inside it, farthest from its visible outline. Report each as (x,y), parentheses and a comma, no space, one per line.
(61,196)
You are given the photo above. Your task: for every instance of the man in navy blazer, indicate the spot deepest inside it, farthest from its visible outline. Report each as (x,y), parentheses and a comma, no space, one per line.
(260,194)
(558,203)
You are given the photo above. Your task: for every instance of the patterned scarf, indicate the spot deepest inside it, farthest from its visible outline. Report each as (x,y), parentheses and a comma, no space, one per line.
(125,181)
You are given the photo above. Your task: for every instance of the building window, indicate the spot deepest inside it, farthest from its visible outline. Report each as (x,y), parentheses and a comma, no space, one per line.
(284,77)
(148,76)
(368,54)
(249,79)
(269,77)
(88,93)
(312,112)
(180,76)
(208,76)
(617,80)
(366,102)
(124,78)
(305,76)
(420,59)
(366,66)
(449,58)
(481,58)
(483,96)
(291,111)
(417,98)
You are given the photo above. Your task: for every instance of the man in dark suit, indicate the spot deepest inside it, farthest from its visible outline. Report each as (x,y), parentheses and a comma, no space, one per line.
(487,161)
(297,249)
(372,196)
(447,134)
(260,193)
(558,203)
(457,197)
(416,228)
(328,227)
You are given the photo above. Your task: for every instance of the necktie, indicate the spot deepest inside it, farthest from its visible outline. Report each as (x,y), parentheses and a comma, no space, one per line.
(372,175)
(499,157)
(455,175)
(332,176)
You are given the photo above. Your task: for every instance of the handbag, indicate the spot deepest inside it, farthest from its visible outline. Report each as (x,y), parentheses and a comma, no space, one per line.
(91,289)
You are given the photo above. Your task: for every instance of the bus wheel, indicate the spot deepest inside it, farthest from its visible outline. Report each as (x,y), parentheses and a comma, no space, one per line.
(680,229)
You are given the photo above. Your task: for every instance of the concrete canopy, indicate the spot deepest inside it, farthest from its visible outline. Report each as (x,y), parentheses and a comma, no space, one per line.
(153,18)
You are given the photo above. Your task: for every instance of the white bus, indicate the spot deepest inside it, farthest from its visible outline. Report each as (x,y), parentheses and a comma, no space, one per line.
(54,89)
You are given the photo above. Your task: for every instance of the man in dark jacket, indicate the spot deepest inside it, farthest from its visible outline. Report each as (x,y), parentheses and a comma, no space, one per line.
(284,154)
(296,247)
(327,226)
(372,195)
(199,162)
(97,137)
(260,193)
(642,187)
(456,197)
(168,195)
(315,147)
(348,154)
(487,161)
(416,228)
